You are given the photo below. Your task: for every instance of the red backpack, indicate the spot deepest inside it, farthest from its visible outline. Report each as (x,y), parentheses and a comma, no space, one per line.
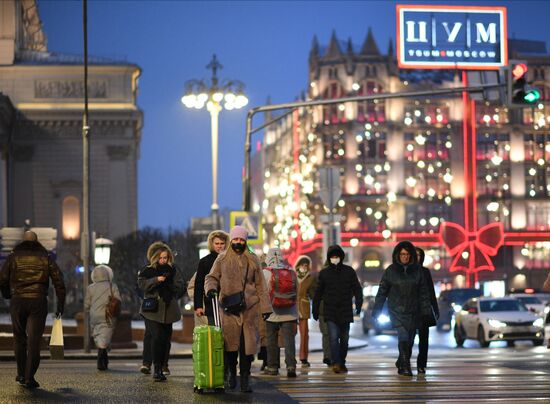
(283,288)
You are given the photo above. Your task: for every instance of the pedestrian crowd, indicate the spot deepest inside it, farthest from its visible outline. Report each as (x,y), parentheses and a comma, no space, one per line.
(244,305)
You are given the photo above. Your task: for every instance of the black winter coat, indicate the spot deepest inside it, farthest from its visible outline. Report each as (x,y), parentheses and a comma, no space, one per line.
(431,319)
(406,291)
(205,265)
(337,285)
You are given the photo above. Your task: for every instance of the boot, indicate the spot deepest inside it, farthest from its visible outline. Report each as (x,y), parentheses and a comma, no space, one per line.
(106,359)
(245,383)
(405,363)
(230,378)
(158,376)
(100,360)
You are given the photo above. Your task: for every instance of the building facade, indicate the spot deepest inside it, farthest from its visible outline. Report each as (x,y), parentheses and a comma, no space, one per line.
(402,170)
(41,111)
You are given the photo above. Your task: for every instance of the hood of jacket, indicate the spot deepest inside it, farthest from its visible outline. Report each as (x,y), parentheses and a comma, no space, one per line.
(274,258)
(407,245)
(301,259)
(217,234)
(336,250)
(157,245)
(102,273)
(420,255)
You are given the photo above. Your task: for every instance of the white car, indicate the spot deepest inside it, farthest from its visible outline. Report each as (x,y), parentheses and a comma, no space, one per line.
(489,319)
(532,302)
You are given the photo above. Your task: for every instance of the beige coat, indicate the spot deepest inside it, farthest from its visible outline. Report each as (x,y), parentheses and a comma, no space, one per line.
(306,291)
(227,276)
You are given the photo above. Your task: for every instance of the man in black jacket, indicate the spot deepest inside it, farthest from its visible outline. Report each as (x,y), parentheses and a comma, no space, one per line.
(27,271)
(337,285)
(218,241)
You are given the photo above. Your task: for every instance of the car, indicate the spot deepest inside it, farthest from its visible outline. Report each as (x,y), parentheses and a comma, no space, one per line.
(450,301)
(488,319)
(380,324)
(532,302)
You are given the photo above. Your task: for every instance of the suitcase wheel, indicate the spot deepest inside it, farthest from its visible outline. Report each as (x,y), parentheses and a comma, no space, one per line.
(219,390)
(197,390)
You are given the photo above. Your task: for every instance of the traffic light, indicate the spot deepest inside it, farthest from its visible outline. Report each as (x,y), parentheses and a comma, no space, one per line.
(520,93)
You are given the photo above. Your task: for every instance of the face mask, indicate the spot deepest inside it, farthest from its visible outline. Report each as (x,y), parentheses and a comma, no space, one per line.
(302,271)
(238,247)
(335,260)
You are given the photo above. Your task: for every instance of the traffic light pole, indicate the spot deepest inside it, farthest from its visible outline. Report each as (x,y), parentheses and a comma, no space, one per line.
(291,106)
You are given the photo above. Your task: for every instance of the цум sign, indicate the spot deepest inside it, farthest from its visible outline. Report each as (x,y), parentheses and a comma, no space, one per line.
(452,37)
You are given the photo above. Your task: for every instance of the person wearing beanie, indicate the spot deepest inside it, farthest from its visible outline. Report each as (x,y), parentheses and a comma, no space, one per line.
(284,316)
(337,286)
(237,271)
(306,290)
(218,241)
(160,280)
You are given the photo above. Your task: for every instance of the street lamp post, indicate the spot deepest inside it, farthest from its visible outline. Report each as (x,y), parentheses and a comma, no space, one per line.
(215,96)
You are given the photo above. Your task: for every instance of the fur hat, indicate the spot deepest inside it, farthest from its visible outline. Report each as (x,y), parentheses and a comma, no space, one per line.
(158,245)
(238,232)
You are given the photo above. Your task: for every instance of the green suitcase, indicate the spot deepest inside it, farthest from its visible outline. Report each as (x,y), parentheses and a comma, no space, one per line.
(208,364)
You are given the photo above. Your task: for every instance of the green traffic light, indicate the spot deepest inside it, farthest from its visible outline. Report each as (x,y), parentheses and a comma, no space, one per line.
(532,96)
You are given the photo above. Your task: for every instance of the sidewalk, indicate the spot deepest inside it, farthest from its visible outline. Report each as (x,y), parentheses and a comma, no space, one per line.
(177,351)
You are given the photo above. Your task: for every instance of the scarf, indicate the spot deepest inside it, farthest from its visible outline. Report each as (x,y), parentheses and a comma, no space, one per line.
(165,289)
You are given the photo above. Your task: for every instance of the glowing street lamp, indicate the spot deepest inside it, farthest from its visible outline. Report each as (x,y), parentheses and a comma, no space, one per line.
(215,96)
(102,251)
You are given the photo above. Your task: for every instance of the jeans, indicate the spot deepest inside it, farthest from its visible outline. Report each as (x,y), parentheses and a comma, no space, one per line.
(338,335)
(325,340)
(288,328)
(28,318)
(147,348)
(160,341)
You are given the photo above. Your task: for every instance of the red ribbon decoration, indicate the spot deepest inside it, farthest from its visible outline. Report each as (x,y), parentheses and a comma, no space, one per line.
(479,246)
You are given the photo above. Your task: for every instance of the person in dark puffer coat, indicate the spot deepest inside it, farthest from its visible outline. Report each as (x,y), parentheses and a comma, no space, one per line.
(403,285)
(336,287)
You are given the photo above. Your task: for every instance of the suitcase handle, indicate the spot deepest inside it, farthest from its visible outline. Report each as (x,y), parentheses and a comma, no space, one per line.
(216,311)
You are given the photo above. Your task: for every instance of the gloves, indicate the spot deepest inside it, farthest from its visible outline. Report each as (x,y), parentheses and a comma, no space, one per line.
(265,316)
(211,293)
(59,311)
(357,311)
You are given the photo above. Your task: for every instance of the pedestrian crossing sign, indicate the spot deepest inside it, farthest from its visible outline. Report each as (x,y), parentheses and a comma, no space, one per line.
(252,222)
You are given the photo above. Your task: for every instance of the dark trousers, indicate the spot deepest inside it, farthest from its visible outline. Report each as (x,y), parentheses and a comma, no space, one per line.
(159,344)
(28,317)
(338,335)
(148,348)
(423,337)
(325,340)
(245,361)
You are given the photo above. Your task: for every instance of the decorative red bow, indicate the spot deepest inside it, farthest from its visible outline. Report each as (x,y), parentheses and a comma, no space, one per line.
(471,250)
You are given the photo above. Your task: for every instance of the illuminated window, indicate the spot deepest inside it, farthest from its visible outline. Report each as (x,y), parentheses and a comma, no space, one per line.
(71,218)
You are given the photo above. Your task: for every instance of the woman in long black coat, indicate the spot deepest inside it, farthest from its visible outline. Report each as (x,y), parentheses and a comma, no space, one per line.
(403,286)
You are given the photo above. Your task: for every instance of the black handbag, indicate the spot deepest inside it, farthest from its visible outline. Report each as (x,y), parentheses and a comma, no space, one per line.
(235,303)
(150,305)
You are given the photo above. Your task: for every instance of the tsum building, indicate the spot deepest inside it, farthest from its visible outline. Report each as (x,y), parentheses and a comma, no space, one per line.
(402,170)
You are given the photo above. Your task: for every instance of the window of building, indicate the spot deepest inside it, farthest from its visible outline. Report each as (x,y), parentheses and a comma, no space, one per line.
(371,111)
(334,145)
(71,218)
(333,114)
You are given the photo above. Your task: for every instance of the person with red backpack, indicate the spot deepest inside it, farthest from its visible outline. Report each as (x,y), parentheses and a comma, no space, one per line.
(282,284)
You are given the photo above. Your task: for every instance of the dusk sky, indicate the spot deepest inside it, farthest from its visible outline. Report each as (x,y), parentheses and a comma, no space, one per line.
(265,44)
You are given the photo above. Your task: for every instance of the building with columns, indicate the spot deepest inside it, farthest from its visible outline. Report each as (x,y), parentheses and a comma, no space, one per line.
(402,170)
(41,110)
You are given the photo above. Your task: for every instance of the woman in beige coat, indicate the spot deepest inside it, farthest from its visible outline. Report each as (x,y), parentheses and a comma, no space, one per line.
(97,297)
(233,269)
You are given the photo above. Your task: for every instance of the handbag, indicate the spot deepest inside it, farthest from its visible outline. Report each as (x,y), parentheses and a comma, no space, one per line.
(235,303)
(150,305)
(113,307)
(56,339)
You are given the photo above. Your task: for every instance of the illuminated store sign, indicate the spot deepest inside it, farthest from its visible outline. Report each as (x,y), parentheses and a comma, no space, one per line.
(452,37)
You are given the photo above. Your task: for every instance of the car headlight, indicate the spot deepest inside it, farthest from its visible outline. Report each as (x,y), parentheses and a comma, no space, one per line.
(457,307)
(539,322)
(383,319)
(546,309)
(496,324)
